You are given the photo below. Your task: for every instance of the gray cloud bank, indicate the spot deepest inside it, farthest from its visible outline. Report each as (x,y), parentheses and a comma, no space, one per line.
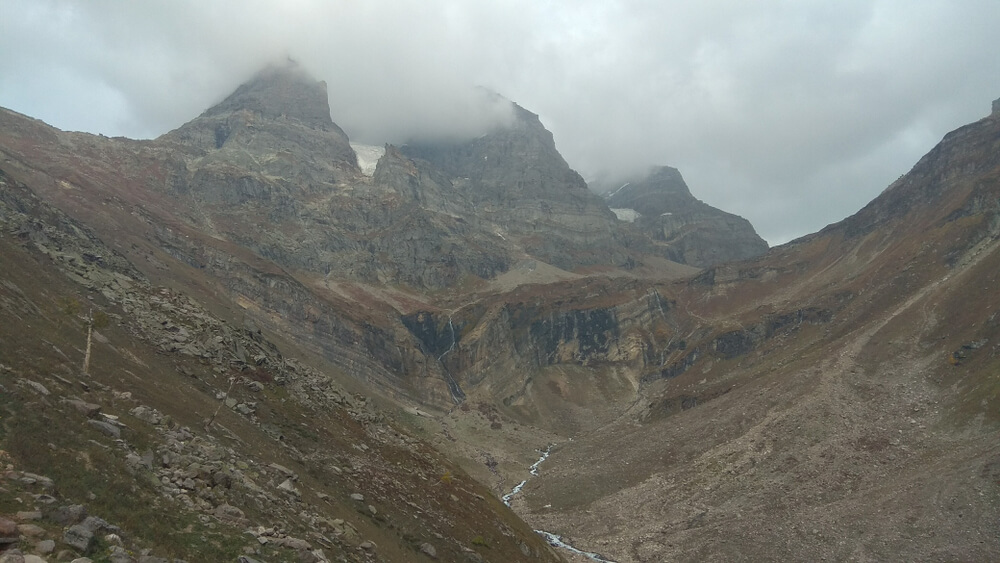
(792,114)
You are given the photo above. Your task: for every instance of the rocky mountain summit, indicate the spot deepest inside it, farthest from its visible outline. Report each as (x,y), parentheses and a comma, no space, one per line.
(299,359)
(690,231)
(265,187)
(276,125)
(514,178)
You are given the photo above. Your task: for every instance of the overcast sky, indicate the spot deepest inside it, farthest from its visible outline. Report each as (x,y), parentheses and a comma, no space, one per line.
(791,113)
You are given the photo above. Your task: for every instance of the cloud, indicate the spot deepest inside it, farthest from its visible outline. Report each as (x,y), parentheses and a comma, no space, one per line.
(793,114)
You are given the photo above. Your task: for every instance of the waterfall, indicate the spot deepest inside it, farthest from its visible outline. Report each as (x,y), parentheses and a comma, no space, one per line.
(659,304)
(457,394)
(452,347)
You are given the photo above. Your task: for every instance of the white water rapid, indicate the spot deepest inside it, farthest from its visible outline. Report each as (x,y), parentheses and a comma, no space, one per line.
(553,539)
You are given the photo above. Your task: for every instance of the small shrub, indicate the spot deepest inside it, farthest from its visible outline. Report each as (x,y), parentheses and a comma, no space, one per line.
(69,306)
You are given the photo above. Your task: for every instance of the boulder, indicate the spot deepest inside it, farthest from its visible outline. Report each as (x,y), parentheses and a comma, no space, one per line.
(106,428)
(119,555)
(428,550)
(9,533)
(90,410)
(45,547)
(79,537)
(38,480)
(288,487)
(67,515)
(37,387)
(230,513)
(294,543)
(30,530)
(28,515)
(147,414)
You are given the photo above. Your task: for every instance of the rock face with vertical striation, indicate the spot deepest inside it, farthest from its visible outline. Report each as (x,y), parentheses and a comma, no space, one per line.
(514,178)
(273,135)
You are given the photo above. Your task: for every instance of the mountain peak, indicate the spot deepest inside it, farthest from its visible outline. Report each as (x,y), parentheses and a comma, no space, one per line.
(661,190)
(700,234)
(283,90)
(668,179)
(277,124)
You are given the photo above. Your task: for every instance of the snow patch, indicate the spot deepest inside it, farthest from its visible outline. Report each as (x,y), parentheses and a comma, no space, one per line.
(368,156)
(614,193)
(629,215)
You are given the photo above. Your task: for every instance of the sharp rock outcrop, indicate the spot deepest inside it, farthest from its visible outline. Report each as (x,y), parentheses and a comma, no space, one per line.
(513,177)
(686,229)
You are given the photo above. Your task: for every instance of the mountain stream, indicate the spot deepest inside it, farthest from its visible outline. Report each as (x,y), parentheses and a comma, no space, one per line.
(457,394)
(553,539)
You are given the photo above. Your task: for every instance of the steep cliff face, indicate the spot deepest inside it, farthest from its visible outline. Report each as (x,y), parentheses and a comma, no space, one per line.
(270,170)
(684,228)
(275,128)
(261,196)
(514,177)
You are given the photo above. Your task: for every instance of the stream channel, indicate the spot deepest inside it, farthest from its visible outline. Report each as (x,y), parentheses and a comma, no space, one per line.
(553,539)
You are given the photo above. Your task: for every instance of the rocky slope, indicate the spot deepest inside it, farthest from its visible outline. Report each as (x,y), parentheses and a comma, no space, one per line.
(304,330)
(686,229)
(257,212)
(193,436)
(293,232)
(835,398)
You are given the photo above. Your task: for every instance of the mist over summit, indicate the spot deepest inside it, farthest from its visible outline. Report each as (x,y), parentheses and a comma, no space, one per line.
(254,338)
(789,127)
(460,115)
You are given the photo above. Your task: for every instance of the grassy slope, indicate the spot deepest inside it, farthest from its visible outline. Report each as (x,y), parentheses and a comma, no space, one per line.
(419,496)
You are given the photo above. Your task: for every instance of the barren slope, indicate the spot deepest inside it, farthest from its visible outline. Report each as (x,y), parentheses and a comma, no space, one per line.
(196,436)
(837,398)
